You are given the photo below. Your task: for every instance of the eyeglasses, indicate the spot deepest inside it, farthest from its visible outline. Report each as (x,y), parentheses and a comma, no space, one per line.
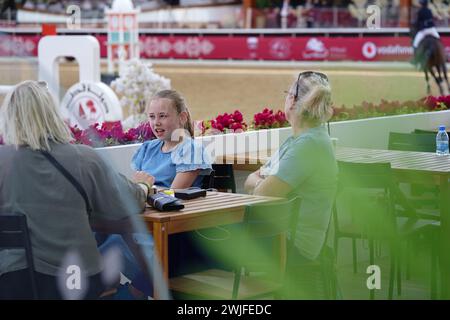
(43,84)
(307,74)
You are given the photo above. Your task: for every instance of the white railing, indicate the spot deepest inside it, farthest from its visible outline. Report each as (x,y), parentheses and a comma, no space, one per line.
(5,89)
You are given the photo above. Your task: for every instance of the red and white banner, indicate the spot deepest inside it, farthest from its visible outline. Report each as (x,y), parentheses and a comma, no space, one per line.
(240,47)
(281,48)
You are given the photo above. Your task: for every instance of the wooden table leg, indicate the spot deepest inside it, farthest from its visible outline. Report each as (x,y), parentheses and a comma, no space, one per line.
(162,256)
(445,237)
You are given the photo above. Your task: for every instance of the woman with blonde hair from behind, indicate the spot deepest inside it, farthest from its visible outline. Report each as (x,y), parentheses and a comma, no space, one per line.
(58,211)
(304,167)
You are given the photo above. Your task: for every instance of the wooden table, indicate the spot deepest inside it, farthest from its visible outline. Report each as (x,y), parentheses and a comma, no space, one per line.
(408,166)
(217,208)
(421,167)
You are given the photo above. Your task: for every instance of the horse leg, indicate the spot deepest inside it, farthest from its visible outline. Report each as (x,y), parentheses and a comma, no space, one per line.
(440,79)
(436,78)
(427,78)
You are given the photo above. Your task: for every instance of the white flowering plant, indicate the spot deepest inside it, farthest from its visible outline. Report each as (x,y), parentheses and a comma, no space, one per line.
(136,83)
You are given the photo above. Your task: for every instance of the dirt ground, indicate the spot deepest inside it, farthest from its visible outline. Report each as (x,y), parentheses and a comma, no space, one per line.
(210,90)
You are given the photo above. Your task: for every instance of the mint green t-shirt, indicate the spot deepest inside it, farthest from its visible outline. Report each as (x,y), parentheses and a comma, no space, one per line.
(308,164)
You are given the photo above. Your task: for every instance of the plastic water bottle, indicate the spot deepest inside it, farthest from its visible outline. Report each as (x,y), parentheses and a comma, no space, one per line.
(442,142)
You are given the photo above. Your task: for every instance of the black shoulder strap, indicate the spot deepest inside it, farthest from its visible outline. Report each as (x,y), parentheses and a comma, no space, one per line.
(69,177)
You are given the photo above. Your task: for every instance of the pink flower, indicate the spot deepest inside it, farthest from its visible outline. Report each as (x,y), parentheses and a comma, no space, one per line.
(237,116)
(236,126)
(145,132)
(111,133)
(130,136)
(226,122)
(219,127)
(267,119)
(76,132)
(280,117)
(113,125)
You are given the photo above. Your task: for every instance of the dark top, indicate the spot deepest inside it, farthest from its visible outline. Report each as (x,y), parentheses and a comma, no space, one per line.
(424,19)
(55,211)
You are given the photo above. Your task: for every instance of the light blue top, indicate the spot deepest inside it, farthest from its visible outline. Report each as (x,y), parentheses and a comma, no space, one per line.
(189,155)
(307,163)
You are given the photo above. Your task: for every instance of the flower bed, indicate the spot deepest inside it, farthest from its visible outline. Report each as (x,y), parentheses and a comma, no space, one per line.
(223,123)
(268,119)
(110,134)
(388,108)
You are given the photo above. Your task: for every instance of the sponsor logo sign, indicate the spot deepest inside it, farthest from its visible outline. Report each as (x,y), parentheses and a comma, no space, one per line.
(86,103)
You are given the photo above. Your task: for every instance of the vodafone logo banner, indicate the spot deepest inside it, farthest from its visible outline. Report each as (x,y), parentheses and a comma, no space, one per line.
(248,47)
(391,49)
(369,50)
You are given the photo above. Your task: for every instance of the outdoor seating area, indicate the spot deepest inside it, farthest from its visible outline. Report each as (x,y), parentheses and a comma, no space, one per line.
(383,233)
(407,175)
(224,165)
(386,227)
(389,213)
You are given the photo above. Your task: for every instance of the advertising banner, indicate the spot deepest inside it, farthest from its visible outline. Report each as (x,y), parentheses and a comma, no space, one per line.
(247,47)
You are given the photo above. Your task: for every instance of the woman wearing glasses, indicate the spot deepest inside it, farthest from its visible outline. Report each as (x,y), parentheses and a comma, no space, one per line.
(304,166)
